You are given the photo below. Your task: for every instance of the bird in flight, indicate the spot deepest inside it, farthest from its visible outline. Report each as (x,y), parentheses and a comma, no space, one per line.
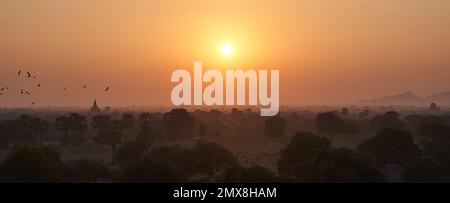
(39,85)
(107,88)
(84,86)
(19,72)
(29,74)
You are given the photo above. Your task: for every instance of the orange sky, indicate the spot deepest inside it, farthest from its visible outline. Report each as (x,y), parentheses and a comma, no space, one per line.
(328,51)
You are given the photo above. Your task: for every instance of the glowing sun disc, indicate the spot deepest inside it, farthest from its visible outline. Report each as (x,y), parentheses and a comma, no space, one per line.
(226,50)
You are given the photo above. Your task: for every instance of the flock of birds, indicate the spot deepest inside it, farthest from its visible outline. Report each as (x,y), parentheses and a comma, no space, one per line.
(4,90)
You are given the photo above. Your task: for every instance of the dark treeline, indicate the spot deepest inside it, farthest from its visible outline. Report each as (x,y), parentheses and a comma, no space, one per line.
(236,146)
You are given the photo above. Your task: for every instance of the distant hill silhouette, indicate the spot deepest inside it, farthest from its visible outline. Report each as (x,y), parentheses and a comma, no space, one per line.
(442,97)
(410,98)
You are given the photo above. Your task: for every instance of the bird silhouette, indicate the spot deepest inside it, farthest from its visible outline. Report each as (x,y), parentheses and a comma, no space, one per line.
(39,85)
(29,74)
(107,88)
(19,72)
(84,86)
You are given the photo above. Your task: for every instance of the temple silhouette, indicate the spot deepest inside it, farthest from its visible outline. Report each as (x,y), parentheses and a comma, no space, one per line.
(94,109)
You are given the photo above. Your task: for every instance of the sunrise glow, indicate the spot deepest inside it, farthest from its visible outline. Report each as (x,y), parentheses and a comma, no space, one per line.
(226,50)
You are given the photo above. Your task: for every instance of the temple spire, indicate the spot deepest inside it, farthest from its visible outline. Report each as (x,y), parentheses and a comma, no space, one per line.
(95,108)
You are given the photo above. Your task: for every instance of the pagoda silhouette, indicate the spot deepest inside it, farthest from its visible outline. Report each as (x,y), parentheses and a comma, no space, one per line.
(94,109)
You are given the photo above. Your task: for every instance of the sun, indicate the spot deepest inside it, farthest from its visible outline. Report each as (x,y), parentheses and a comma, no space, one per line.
(226,49)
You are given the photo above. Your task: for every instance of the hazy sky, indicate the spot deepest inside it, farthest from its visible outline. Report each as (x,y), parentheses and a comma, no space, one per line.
(328,51)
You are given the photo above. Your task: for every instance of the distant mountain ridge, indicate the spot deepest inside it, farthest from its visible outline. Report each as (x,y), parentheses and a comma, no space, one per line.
(410,98)
(440,97)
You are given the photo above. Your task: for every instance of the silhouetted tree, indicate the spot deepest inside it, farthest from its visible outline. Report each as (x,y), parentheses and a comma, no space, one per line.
(415,122)
(436,144)
(202,130)
(101,122)
(62,125)
(301,149)
(152,169)
(147,135)
(52,154)
(340,165)
(439,134)
(212,158)
(422,169)
(364,114)
(254,174)
(146,138)
(274,127)
(179,123)
(145,121)
(115,137)
(388,120)
(180,158)
(130,151)
(85,170)
(28,164)
(28,130)
(40,128)
(72,128)
(442,158)
(108,132)
(390,147)
(331,122)
(5,133)
(127,121)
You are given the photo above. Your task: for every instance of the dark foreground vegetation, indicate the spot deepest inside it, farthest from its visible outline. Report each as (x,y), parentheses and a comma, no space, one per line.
(349,145)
